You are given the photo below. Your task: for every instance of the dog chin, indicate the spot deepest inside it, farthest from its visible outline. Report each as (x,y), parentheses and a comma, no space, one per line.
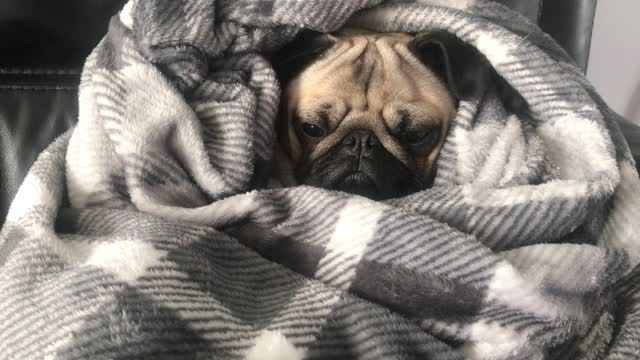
(359,183)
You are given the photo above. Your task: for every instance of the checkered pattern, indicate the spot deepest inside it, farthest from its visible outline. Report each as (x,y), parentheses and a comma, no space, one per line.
(140,233)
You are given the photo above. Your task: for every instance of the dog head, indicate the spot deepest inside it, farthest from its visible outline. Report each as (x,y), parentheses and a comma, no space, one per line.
(367,113)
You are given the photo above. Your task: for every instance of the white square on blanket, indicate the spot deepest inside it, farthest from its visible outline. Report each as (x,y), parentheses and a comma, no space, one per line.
(355,228)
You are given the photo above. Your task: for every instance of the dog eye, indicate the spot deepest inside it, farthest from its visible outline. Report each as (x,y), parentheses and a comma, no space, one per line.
(415,136)
(313,131)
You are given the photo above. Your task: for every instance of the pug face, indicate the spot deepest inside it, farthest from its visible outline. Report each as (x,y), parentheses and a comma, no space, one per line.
(368,113)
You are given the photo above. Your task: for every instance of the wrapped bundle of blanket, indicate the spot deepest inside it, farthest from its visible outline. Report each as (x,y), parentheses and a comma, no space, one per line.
(142,233)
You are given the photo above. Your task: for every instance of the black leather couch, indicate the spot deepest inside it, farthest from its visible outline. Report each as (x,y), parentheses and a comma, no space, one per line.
(44,44)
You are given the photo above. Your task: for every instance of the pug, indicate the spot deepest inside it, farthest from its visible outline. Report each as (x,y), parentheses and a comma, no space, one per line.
(368,113)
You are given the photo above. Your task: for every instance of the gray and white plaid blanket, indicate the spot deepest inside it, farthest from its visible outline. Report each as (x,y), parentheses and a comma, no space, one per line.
(143,232)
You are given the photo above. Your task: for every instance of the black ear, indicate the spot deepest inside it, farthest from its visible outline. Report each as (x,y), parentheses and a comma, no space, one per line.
(459,65)
(293,58)
(465,70)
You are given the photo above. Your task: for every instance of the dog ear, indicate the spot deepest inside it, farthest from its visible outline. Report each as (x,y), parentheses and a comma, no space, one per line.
(464,69)
(459,65)
(307,47)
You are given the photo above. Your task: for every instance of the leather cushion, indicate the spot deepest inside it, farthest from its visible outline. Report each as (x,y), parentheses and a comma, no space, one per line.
(33,112)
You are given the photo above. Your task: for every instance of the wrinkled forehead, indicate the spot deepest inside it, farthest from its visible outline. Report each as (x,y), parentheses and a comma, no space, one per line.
(355,51)
(368,72)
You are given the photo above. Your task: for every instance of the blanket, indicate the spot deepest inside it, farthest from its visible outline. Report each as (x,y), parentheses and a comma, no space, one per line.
(147,231)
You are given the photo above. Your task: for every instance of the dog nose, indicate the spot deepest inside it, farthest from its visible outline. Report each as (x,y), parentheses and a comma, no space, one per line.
(361,142)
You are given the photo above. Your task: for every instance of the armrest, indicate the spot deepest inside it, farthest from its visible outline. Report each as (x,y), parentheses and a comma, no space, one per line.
(570,22)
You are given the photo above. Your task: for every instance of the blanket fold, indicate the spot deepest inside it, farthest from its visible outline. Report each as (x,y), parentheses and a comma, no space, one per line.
(147,231)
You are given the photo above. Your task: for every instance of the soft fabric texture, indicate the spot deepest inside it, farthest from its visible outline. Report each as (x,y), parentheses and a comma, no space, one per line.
(141,233)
